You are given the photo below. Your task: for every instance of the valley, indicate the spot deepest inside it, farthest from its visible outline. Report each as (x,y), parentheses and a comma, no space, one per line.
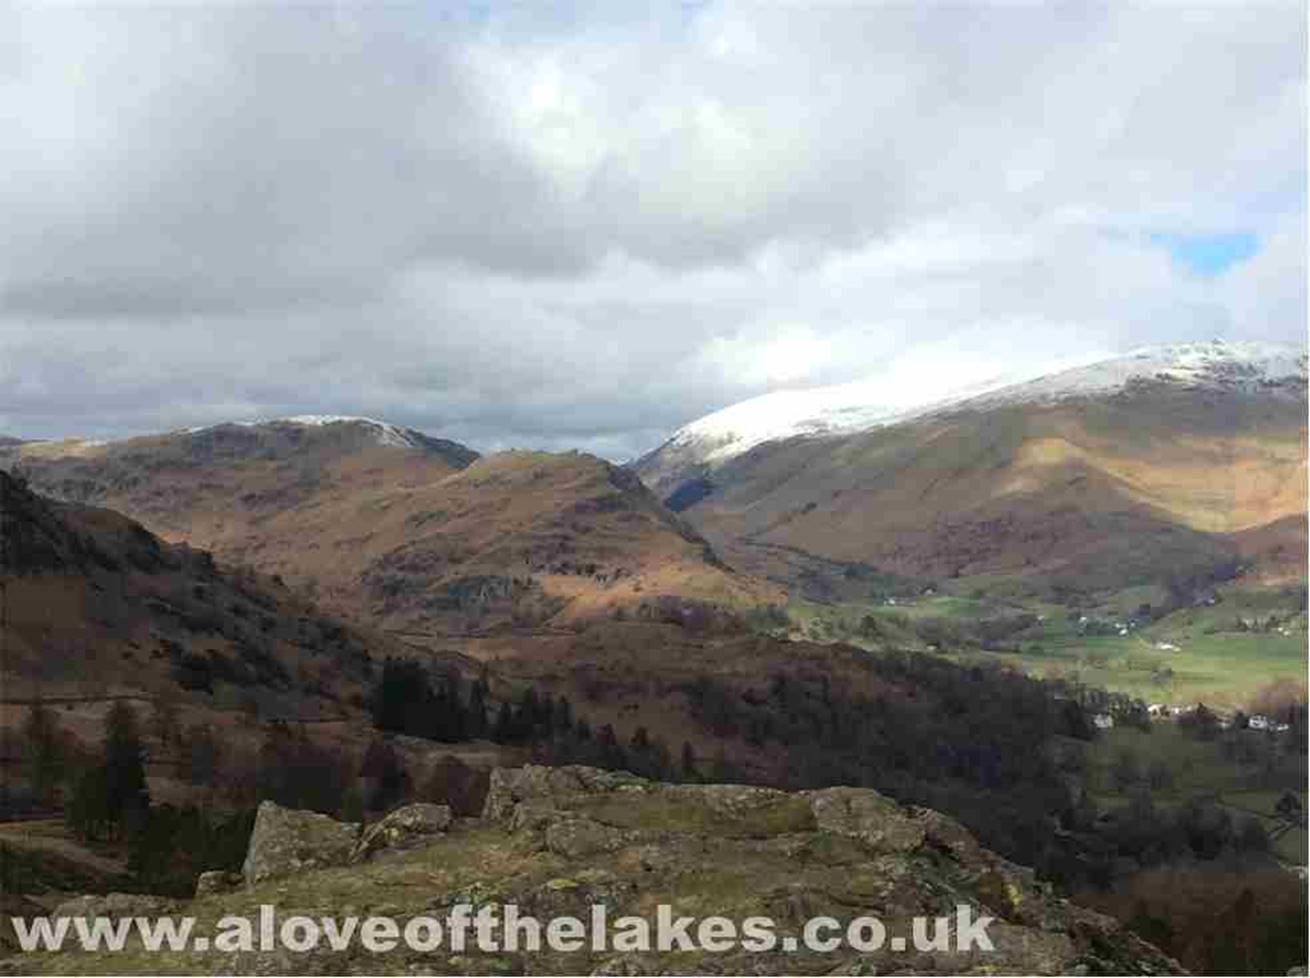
(1070,614)
(1222,654)
(1137,524)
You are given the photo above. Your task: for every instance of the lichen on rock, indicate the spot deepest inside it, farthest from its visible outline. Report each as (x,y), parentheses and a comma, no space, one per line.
(408,827)
(286,841)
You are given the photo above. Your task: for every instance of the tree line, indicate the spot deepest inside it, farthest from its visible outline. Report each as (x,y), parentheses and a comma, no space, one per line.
(408,699)
(107,799)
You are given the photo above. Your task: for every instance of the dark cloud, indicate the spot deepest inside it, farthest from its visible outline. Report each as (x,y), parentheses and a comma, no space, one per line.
(573,227)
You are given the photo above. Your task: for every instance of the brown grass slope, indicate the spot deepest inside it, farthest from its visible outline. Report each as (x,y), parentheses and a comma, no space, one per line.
(421,537)
(1139,486)
(215,487)
(97,607)
(535,537)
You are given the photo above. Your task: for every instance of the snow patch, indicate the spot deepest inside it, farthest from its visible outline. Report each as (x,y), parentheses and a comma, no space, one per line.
(863,405)
(387,433)
(1215,365)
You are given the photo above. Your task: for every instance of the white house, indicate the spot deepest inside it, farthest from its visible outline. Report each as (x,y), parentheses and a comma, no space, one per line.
(1103,721)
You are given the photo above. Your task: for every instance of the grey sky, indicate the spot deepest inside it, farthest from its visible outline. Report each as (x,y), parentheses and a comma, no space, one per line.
(577,229)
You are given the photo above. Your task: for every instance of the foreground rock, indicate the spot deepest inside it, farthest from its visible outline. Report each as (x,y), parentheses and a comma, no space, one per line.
(217,881)
(843,852)
(409,827)
(92,905)
(286,841)
(561,842)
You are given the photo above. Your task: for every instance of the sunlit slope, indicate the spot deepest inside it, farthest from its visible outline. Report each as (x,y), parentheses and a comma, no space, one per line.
(215,487)
(390,526)
(1143,484)
(520,537)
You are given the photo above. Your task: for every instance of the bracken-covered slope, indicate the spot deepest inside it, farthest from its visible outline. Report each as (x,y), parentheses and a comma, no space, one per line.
(1166,463)
(215,487)
(539,537)
(97,607)
(387,525)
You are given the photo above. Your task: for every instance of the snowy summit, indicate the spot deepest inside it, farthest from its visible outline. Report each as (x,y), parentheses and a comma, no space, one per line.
(386,433)
(862,405)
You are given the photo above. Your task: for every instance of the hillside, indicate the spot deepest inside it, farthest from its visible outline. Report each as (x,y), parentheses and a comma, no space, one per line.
(216,487)
(390,526)
(1183,462)
(537,538)
(96,606)
(239,689)
(95,610)
(100,610)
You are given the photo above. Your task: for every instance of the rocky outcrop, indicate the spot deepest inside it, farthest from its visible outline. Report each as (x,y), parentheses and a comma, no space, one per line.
(544,786)
(859,813)
(841,851)
(91,905)
(286,841)
(559,842)
(408,827)
(217,881)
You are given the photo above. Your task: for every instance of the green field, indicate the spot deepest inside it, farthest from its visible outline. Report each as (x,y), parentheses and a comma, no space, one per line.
(1224,671)
(1222,654)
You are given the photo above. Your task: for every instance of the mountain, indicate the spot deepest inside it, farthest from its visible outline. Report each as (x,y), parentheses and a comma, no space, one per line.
(1165,463)
(98,609)
(388,525)
(208,486)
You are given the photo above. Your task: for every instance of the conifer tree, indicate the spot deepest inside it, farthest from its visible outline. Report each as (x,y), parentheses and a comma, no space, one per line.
(503,731)
(126,794)
(111,798)
(476,722)
(44,757)
(563,717)
(688,762)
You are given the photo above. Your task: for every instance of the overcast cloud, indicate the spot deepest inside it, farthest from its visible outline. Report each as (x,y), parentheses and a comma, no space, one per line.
(577,229)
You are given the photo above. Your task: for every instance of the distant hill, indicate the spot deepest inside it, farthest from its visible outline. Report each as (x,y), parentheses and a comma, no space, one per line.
(394,527)
(209,485)
(1177,462)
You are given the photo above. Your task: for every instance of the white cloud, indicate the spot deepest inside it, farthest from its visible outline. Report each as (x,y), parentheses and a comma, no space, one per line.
(578,229)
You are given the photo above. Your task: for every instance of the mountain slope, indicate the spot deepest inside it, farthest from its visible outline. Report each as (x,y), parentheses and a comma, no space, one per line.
(213,486)
(1158,464)
(98,607)
(584,535)
(385,524)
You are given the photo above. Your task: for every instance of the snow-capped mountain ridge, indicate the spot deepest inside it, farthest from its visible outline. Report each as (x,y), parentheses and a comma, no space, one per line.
(839,410)
(387,433)
(1216,365)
